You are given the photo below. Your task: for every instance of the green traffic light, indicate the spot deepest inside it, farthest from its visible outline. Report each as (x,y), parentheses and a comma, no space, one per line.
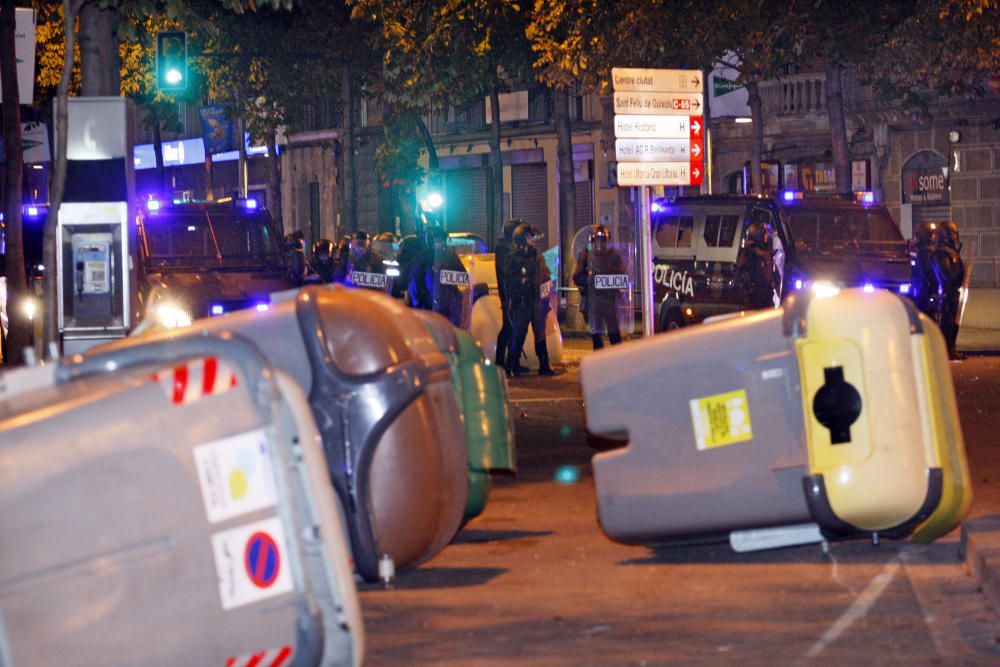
(171,60)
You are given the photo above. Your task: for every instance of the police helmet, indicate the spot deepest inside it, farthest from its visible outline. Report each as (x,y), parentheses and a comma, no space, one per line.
(323,250)
(758,235)
(361,236)
(343,246)
(508,228)
(600,232)
(384,245)
(925,233)
(949,234)
(524,234)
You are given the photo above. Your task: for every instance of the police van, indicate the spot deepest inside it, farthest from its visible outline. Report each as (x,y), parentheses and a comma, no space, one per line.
(819,244)
(208,258)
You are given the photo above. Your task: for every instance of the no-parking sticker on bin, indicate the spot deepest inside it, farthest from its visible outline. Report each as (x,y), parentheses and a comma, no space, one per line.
(722,419)
(252,563)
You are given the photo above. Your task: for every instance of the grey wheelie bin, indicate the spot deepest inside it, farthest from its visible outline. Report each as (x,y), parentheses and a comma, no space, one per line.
(829,417)
(381,393)
(169,505)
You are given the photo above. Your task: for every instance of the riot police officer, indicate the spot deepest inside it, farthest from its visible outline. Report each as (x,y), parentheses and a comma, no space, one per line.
(754,268)
(342,260)
(600,307)
(504,247)
(522,285)
(410,249)
(950,272)
(324,259)
(922,278)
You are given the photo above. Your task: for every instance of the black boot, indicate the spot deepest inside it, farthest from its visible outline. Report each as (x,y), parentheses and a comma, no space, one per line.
(542,352)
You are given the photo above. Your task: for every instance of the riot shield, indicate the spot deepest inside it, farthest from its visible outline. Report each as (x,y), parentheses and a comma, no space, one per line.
(610,280)
(367,268)
(451,292)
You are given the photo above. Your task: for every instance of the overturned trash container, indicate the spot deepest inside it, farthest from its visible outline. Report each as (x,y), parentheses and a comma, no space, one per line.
(382,396)
(830,417)
(481,390)
(140,528)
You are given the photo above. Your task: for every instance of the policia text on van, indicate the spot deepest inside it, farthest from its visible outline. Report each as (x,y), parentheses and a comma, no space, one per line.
(819,244)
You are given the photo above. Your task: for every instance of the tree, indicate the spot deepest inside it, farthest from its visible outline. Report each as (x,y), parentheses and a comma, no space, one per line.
(14,270)
(841,32)
(944,47)
(447,52)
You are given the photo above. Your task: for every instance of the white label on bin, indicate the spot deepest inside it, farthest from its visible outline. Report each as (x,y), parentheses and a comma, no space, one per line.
(722,419)
(236,476)
(772,374)
(251,562)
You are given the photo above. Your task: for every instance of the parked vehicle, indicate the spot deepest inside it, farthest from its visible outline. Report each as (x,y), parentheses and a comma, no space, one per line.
(208,258)
(821,244)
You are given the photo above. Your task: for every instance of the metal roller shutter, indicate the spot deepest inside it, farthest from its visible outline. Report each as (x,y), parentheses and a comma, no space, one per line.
(530,194)
(584,204)
(465,192)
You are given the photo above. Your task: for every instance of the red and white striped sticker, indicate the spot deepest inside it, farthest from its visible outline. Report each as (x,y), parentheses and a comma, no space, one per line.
(196,379)
(273,658)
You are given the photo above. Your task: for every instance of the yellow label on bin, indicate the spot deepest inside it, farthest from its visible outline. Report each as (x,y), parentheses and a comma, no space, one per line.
(722,419)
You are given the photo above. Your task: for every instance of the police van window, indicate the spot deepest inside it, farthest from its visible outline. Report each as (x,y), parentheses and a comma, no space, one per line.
(727,233)
(674,231)
(685,232)
(720,230)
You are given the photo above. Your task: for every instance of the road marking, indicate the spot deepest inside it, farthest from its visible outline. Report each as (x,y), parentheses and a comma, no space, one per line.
(858,609)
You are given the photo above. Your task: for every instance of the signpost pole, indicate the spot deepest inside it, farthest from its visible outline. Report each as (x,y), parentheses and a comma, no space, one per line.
(646,261)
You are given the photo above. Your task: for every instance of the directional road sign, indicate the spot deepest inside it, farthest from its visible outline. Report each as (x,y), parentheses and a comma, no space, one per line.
(632,79)
(660,173)
(658,150)
(652,127)
(671,104)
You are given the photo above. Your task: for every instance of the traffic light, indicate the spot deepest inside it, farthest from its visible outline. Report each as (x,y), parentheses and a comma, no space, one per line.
(171,60)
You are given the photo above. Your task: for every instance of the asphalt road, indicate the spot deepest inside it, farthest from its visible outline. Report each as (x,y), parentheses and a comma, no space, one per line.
(534,581)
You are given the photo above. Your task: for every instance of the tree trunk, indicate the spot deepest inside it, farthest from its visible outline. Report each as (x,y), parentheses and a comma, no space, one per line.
(838,126)
(432,155)
(51,326)
(348,207)
(754,185)
(100,63)
(274,180)
(19,334)
(165,192)
(209,178)
(567,182)
(494,220)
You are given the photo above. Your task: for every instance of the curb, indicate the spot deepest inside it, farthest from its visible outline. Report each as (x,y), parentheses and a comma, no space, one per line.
(980,547)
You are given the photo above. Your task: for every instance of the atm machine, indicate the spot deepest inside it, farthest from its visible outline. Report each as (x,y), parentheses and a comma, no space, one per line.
(96,231)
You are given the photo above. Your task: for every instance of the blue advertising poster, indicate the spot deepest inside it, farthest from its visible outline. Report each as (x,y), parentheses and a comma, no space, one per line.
(216,129)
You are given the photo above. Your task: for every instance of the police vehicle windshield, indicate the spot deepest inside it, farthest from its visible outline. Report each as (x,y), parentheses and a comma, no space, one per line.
(854,231)
(220,239)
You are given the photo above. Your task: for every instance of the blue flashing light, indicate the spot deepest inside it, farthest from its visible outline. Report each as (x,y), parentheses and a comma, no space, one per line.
(798,283)
(904,288)
(869,288)
(657,206)
(263,307)
(152,205)
(788,195)
(217,309)
(868,198)
(248,204)
(31,211)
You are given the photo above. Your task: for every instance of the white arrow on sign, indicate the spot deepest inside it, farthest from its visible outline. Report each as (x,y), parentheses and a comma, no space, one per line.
(695,128)
(633,79)
(696,151)
(654,173)
(673,104)
(652,127)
